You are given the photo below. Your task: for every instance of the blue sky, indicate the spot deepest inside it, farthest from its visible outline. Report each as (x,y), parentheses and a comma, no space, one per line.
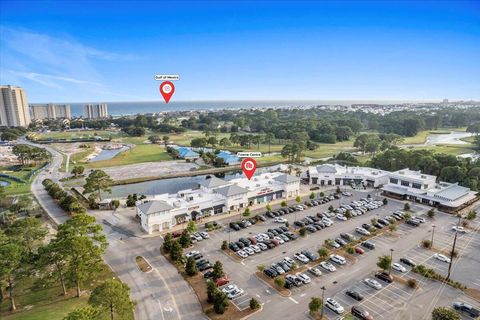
(110,51)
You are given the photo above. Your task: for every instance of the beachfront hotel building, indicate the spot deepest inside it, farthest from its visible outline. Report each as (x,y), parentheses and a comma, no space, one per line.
(214,196)
(403,184)
(50,111)
(13,107)
(95,110)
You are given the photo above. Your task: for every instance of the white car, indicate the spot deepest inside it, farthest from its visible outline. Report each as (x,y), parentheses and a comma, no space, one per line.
(334,306)
(459,229)
(249,251)
(242,253)
(191,253)
(229,288)
(205,235)
(441,257)
(262,246)
(280,220)
(328,266)
(398,267)
(315,271)
(327,222)
(333,244)
(289,261)
(362,231)
(303,277)
(301,257)
(341,217)
(338,259)
(280,240)
(235,293)
(255,248)
(299,208)
(419,219)
(373,283)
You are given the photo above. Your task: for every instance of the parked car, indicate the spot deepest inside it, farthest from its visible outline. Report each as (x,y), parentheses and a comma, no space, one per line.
(303,277)
(222,281)
(459,229)
(373,283)
(338,259)
(362,231)
(407,262)
(328,266)
(270,272)
(315,271)
(384,276)
(341,217)
(190,254)
(412,222)
(311,256)
(208,274)
(368,245)
(359,250)
(280,220)
(397,266)
(441,257)
(301,257)
(334,306)
(360,313)
(468,309)
(204,235)
(242,254)
(341,242)
(294,279)
(354,294)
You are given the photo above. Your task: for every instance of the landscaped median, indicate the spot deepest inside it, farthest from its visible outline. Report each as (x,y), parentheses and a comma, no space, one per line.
(214,302)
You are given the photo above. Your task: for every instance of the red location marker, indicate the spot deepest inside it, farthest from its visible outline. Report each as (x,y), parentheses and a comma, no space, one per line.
(249,166)
(167,89)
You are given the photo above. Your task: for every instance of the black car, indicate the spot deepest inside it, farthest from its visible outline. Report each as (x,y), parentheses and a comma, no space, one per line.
(246,242)
(279,231)
(316,226)
(275,213)
(354,294)
(368,227)
(242,224)
(290,209)
(321,215)
(378,225)
(233,246)
(307,219)
(208,274)
(468,309)
(235,226)
(275,233)
(252,220)
(299,224)
(240,244)
(384,222)
(270,215)
(197,256)
(270,235)
(412,222)
(311,228)
(288,284)
(205,266)
(203,261)
(285,229)
(269,244)
(384,276)
(261,218)
(407,262)
(291,235)
(368,245)
(270,272)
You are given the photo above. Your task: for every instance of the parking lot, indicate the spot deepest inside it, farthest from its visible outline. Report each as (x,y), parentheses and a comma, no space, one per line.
(391,301)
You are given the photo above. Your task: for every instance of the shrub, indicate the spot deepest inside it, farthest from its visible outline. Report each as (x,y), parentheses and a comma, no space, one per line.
(302,231)
(392,227)
(385,201)
(330,208)
(312,196)
(246,213)
(465,223)
(412,283)
(261,267)
(321,194)
(315,304)
(284,204)
(224,245)
(324,252)
(254,304)
(338,190)
(348,214)
(431,213)
(350,250)
(427,244)
(471,215)
(444,313)
(406,207)
(279,281)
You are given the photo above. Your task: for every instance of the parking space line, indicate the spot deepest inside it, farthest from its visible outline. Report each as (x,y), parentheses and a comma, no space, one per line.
(294,301)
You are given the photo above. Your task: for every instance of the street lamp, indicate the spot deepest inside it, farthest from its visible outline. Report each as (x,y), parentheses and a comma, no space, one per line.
(433,232)
(453,248)
(323,298)
(391,260)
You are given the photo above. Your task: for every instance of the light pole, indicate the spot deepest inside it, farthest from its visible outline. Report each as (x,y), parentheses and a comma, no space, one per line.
(433,232)
(453,248)
(391,260)
(323,298)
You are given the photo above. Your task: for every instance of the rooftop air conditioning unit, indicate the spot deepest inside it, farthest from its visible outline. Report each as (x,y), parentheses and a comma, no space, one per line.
(176,204)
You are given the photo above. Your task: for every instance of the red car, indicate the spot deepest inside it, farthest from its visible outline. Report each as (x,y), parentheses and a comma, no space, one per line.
(252,240)
(359,250)
(222,281)
(361,313)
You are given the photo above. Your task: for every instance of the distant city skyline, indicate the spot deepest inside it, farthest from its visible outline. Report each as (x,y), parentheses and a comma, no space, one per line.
(247,51)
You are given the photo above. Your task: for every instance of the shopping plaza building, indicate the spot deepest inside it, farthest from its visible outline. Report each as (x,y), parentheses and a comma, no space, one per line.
(403,184)
(214,196)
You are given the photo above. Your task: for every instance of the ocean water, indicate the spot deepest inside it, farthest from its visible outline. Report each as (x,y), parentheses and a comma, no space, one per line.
(141,107)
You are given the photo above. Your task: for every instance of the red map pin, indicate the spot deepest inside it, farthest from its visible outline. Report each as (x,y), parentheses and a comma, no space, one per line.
(167,89)
(249,166)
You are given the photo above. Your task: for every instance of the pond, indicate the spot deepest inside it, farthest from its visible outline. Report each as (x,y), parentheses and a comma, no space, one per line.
(448,138)
(4,183)
(107,154)
(172,185)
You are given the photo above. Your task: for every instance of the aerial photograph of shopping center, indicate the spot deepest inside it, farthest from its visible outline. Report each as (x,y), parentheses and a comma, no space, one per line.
(264,160)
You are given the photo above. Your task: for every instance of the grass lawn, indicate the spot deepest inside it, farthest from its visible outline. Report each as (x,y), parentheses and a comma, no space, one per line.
(452,149)
(78,134)
(138,154)
(15,188)
(327,150)
(47,303)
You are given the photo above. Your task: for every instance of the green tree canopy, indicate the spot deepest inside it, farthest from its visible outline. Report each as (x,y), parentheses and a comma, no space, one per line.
(112,297)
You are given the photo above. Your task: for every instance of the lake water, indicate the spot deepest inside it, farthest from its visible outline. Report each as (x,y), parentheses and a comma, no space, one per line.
(108,154)
(173,185)
(448,138)
(4,183)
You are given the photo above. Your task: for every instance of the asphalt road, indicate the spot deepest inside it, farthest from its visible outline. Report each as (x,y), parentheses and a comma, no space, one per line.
(159,294)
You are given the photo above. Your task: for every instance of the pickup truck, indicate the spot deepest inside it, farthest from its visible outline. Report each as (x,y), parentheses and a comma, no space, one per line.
(471,311)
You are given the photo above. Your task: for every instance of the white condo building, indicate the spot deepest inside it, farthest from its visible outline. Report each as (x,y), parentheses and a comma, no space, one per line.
(214,196)
(95,110)
(13,107)
(50,111)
